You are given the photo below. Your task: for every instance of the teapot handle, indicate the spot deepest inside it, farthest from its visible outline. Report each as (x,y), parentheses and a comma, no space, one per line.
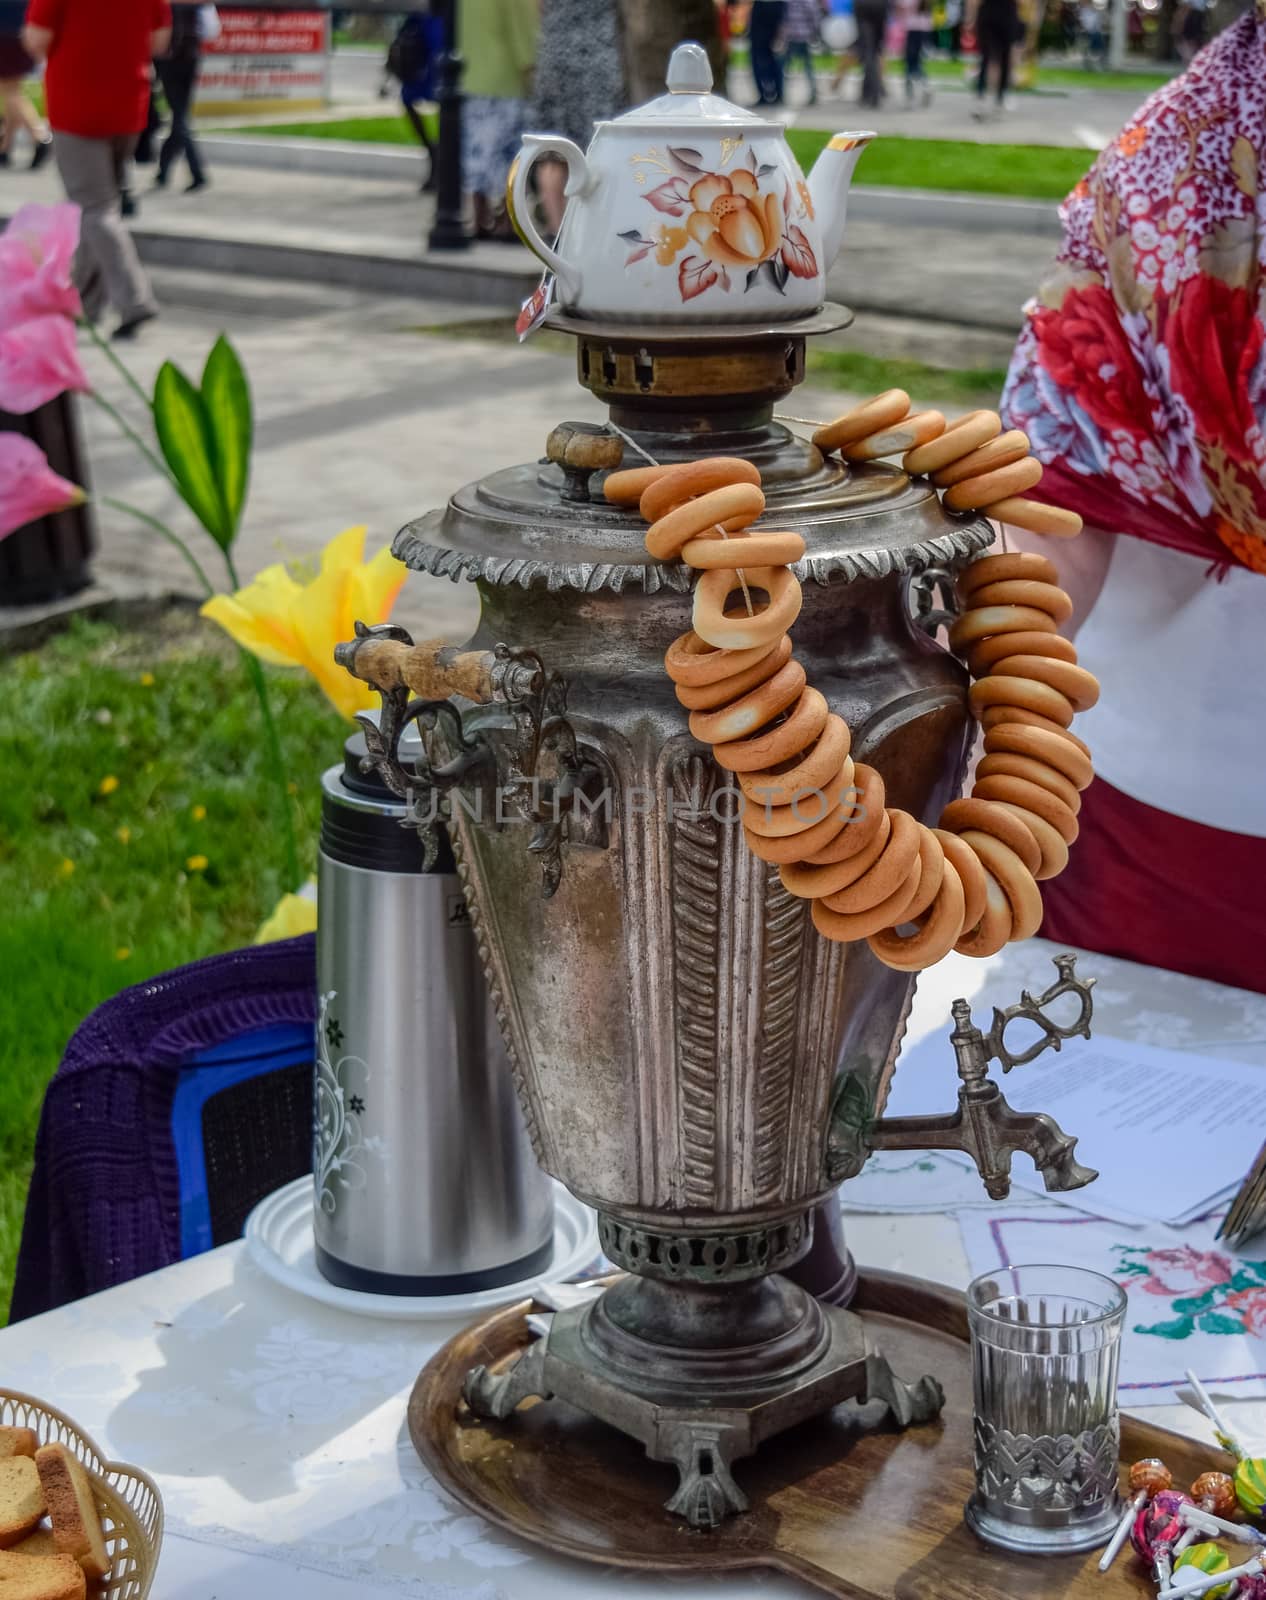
(519,202)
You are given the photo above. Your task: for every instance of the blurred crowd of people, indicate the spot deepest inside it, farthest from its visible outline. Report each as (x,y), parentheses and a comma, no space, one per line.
(103,64)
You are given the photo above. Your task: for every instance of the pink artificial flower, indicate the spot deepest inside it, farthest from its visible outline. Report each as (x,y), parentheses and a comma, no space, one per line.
(29,488)
(36,252)
(1185,1270)
(38,361)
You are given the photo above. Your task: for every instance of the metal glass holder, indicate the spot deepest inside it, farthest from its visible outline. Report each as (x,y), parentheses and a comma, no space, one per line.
(1045,1354)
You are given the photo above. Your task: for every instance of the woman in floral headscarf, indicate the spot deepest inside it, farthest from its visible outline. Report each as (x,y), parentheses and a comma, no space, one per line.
(1140,379)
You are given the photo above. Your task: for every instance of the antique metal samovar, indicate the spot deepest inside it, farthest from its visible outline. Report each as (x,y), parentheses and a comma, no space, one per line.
(694,1060)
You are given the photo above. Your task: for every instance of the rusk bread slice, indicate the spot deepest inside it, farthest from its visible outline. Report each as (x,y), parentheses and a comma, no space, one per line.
(40,1577)
(72,1508)
(39,1543)
(17,1442)
(21,1499)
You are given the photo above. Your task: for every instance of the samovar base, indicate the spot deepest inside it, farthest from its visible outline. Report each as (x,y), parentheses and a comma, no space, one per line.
(702,1375)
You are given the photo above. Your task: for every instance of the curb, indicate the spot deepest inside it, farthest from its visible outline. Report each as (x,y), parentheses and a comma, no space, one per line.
(24,628)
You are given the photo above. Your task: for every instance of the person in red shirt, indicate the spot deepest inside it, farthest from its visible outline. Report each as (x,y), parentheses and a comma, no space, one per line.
(97,88)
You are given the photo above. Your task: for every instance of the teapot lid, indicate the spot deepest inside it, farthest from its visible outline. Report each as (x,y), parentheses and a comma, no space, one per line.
(690,98)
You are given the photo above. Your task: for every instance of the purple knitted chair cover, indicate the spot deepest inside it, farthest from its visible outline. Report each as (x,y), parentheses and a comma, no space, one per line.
(104,1203)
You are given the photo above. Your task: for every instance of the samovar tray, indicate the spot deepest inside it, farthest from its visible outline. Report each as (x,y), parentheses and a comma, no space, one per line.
(855,1511)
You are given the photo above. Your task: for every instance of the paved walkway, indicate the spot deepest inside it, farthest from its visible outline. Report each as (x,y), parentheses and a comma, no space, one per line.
(342,227)
(358,420)
(1055,116)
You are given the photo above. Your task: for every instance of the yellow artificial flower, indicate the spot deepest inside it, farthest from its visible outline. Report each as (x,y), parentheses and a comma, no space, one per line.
(293,914)
(197,863)
(292,624)
(199,813)
(123,835)
(108,785)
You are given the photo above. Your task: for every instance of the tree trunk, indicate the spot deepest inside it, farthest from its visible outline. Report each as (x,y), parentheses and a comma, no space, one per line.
(652,29)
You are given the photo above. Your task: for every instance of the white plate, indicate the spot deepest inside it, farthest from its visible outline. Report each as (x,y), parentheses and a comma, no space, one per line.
(279,1239)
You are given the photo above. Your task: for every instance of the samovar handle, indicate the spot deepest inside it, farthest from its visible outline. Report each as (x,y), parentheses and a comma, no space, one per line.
(537,766)
(387,659)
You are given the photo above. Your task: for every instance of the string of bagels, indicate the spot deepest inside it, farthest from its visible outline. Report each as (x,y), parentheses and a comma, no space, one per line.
(873,871)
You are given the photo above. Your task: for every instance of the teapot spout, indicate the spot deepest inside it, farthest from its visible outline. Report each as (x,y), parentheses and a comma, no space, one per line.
(829,185)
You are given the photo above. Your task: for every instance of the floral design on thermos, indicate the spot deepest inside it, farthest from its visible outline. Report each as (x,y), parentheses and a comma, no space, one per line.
(339,1145)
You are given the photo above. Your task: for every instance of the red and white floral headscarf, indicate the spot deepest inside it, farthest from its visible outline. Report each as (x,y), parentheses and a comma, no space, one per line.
(1140,376)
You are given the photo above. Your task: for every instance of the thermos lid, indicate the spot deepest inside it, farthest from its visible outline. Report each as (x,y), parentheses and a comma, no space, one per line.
(364,825)
(368,783)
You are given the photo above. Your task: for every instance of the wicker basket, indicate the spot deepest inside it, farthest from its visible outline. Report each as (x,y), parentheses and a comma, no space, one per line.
(130,1505)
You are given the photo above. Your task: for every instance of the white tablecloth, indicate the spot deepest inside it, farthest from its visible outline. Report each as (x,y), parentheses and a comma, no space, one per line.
(275,1426)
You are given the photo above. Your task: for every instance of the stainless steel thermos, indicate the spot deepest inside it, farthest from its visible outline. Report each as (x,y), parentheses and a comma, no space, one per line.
(425,1181)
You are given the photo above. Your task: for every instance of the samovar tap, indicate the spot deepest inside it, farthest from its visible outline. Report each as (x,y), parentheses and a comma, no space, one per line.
(983,1124)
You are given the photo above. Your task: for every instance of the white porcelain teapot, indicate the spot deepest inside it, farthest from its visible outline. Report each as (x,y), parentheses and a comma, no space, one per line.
(690,209)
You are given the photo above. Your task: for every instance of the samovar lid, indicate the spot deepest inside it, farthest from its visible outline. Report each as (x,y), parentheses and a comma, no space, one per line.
(516,527)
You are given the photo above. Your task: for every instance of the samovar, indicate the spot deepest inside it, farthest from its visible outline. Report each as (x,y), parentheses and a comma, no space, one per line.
(694,1060)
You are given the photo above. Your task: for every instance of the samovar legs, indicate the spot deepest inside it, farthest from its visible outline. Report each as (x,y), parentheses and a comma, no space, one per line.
(701,1376)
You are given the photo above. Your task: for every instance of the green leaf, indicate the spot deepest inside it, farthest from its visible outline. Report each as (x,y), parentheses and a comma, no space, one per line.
(1249,1275)
(1180,1328)
(184,434)
(226,397)
(1219,1322)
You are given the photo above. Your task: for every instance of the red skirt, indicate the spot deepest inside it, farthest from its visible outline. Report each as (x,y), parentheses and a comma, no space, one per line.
(1156,888)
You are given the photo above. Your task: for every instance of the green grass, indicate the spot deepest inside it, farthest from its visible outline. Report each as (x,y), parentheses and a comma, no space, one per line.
(390,129)
(1140,83)
(1034,172)
(96,887)
(865,374)
(1027,171)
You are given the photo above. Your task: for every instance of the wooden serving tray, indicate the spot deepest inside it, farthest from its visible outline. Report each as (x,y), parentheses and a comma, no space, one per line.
(870,1515)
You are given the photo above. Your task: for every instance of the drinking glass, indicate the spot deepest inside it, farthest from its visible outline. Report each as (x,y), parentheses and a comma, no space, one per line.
(1046,1344)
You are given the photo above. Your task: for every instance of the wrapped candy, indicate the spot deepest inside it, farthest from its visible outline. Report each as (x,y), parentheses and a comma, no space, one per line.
(1157,1529)
(1215,1492)
(1145,1478)
(1206,1557)
(1158,1523)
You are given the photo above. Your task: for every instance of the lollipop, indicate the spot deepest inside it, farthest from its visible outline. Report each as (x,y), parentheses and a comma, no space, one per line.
(1250,1471)
(1151,1474)
(1250,1484)
(1195,1581)
(1215,1492)
(1145,1478)
(1157,1528)
(1204,1558)
(1203,1522)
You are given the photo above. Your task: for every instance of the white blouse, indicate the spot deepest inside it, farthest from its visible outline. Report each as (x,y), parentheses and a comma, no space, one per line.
(1181,657)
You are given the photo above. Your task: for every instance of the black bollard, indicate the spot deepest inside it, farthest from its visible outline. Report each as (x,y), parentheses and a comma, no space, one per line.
(448,232)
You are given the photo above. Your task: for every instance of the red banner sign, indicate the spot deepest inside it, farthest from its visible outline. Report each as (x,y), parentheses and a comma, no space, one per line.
(266,60)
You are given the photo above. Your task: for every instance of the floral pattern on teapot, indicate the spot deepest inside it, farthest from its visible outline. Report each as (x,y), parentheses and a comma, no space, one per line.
(737,219)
